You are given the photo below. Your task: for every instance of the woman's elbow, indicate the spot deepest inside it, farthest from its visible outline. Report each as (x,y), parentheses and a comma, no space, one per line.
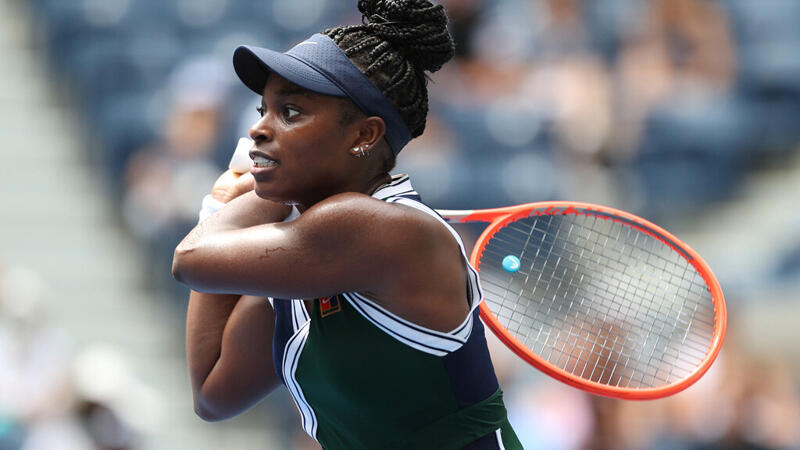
(206,411)
(183,261)
(177,267)
(215,403)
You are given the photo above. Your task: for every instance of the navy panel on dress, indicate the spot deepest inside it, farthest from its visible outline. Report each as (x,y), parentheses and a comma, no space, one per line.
(470,368)
(283,332)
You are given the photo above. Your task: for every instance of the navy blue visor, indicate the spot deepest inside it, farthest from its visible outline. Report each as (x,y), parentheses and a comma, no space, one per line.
(319,65)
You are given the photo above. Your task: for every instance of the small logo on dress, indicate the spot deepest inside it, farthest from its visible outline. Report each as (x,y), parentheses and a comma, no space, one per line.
(329,305)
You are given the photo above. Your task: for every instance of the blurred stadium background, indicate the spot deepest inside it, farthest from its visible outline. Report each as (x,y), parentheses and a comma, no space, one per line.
(117,115)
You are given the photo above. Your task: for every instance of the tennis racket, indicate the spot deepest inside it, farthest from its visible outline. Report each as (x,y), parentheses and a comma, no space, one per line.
(598,298)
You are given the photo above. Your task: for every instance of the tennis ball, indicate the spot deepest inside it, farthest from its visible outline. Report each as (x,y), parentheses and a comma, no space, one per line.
(511,263)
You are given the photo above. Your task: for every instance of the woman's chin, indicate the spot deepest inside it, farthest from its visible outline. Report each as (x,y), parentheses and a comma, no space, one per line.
(272,195)
(266,194)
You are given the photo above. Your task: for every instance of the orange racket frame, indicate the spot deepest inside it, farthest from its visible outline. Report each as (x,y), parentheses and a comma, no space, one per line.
(499,217)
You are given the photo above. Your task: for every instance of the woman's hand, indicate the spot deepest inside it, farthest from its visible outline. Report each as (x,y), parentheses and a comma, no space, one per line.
(230,185)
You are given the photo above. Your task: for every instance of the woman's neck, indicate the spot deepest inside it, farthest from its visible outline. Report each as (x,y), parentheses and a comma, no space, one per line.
(368,188)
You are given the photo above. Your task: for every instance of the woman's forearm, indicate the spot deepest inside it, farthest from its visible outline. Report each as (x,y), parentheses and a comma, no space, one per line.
(206,317)
(245,211)
(229,353)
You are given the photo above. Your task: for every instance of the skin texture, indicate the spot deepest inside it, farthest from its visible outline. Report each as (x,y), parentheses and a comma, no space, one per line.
(343,241)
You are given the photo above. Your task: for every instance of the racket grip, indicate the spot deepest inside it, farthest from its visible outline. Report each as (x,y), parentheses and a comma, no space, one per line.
(240,161)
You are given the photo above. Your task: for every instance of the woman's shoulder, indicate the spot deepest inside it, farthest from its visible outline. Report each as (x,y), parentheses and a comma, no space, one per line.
(357,210)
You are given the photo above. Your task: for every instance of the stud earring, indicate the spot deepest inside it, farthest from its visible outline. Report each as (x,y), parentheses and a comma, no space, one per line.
(361,151)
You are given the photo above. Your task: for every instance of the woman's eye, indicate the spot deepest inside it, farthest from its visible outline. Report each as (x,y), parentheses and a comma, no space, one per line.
(290,113)
(261,111)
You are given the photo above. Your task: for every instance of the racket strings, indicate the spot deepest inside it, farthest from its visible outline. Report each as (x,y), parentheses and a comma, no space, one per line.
(555,277)
(603,344)
(599,299)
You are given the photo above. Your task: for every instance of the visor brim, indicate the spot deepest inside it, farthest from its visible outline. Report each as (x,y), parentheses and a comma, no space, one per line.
(254,64)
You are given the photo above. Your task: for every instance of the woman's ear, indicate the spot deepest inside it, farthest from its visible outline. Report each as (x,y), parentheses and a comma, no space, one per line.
(370,132)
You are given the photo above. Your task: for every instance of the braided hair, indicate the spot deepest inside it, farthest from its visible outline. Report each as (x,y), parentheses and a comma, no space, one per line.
(397,42)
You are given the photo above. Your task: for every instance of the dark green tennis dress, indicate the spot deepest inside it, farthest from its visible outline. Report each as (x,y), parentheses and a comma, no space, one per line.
(364,378)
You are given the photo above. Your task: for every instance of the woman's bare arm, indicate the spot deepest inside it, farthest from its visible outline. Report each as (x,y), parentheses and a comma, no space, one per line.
(229,353)
(403,258)
(229,336)
(344,243)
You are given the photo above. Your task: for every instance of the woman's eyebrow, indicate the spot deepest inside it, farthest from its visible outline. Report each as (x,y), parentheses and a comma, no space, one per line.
(288,92)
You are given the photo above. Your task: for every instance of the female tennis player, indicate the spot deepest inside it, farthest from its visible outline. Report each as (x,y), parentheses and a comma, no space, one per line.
(323,272)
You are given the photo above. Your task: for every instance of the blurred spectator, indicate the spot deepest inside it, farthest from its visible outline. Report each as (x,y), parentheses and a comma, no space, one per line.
(113,406)
(433,158)
(464,15)
(678,118)
(550,416)
(744,401)
(682,48)
(50,399)
(748,401)
(34,362)
(165,182)
(533,99)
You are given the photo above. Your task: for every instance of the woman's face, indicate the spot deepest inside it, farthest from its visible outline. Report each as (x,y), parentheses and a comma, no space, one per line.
(301,152)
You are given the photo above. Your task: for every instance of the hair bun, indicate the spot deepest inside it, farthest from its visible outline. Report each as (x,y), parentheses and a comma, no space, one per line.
(416,28)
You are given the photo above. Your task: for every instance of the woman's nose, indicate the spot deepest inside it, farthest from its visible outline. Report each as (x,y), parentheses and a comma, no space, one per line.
(260,130)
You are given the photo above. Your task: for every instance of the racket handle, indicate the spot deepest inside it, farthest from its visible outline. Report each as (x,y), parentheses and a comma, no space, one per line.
(240,161)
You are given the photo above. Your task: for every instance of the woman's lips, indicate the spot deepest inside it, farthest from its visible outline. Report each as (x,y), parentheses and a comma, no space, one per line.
(262,165)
